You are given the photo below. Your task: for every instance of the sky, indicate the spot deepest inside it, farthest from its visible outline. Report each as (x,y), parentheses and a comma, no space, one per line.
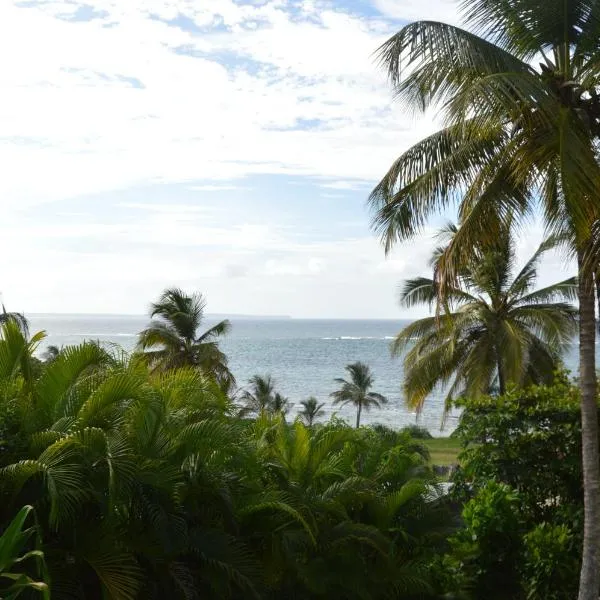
(220,146)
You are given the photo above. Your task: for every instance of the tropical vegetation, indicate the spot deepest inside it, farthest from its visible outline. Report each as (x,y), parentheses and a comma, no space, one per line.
(146,484)
(151,475)
(518,93)
(494,329)
(21,569)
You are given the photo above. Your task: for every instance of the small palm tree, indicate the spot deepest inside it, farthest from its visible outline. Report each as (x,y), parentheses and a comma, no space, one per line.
(259,397)
(311,410)
(50,353)
(280,404)
(173,338)
(495,329)
(356,391)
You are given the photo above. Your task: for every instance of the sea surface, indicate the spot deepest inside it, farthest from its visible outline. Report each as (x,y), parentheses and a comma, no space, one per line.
(303,356)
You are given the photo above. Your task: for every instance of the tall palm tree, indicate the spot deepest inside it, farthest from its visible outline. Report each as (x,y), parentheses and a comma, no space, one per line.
(521,129)
(173,338)
(311,410)
(357,390)
(495,329)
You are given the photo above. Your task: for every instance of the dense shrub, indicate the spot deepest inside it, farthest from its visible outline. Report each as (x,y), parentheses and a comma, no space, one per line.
(521,488)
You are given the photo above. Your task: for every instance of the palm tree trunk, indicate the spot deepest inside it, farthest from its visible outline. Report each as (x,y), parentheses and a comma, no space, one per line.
(589,582)
(501,382)
(597,277)
(359,410)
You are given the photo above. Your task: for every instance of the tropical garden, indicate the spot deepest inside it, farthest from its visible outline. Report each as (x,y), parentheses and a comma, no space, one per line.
(156,474)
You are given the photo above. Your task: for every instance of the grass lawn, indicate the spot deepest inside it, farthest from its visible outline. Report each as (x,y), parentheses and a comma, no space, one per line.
(443,451)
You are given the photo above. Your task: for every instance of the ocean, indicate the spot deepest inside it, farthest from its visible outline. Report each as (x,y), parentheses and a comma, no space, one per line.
(303,357)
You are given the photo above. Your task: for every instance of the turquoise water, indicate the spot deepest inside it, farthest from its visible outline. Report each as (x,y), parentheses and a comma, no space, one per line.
(303,356)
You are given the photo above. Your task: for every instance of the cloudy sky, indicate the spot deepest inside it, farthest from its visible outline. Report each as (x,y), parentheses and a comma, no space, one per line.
(216,145)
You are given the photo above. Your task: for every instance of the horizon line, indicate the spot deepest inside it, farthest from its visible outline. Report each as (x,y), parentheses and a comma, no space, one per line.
(215,315)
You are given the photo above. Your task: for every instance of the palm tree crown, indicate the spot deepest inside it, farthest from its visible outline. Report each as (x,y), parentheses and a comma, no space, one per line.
(261,398)
(311,410)
(258,398)
(495,329)
(16,317)
(357,390)
(173,338)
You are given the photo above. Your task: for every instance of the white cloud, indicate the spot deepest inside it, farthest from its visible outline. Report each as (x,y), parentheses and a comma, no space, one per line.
(344,185)
(216,188)
(446,11)
(115,103)
(72,117)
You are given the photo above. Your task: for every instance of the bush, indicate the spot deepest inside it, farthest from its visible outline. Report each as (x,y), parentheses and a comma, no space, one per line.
(485,552)
(550,562)
(418,432)
(524,531)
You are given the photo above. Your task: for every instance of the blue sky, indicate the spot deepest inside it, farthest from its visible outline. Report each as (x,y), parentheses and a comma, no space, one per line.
(221,146)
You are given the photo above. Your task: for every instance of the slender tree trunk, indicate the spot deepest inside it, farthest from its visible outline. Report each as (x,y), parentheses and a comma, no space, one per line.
(501,382)
(359,410)
(589,582)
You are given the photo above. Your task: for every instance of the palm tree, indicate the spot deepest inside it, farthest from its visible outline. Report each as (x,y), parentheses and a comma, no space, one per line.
(356,391)
(522,124)
(311,410)
(494,330)
(50,353)
(259,397)
(280,404)
(173,338)
(19,318)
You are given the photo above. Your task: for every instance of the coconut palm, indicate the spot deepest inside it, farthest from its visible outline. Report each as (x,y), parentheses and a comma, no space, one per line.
(311,410)
(521,129)
(495,329)
(357,390)
(173,338)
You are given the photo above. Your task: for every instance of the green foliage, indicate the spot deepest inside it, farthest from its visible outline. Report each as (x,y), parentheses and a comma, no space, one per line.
(147,485)
(418,432)
(485,552)
(530,440)
(520,483)
(550,561)
(21,563)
